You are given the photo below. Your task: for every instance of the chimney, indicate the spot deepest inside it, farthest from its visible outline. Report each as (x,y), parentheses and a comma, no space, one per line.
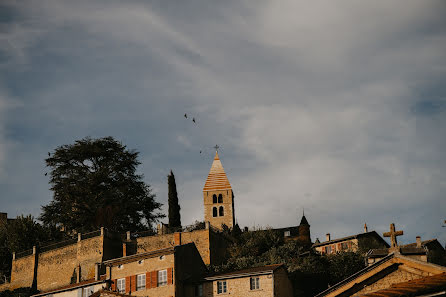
(365,228)
(124,249)
(418,242)
(79,237)
(327,237)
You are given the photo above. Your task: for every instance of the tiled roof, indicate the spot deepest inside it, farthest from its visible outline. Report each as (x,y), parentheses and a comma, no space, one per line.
(217,179)
(72,286)
(425,285)
(248,271)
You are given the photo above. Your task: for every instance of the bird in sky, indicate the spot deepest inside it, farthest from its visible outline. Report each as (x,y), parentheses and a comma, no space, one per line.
(46,173)
(185,115)
(193,120)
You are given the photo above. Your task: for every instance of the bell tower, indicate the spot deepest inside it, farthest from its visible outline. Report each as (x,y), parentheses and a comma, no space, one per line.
(218,197)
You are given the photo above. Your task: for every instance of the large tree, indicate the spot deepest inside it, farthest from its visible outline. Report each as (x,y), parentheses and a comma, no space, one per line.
(174,207)
(95,184)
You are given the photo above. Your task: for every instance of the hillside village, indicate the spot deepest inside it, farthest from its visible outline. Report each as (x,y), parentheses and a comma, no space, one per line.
(216,258)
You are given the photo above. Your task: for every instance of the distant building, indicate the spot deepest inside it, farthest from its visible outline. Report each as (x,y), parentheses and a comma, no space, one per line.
(351,243)
(4,218)
(299,233)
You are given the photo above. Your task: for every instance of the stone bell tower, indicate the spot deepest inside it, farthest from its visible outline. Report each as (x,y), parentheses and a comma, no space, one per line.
(218,197)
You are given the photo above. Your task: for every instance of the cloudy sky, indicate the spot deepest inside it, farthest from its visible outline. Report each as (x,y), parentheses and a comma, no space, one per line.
(335,107)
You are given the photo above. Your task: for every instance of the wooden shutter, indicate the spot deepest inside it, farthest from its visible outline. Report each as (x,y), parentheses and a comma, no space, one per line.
(154,279)
(133,283)
(349,244)
(339,247)
(114,284)
(169,276)
(148,282)
(127,284)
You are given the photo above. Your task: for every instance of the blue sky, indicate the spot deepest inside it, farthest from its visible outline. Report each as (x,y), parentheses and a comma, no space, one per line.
(338,108)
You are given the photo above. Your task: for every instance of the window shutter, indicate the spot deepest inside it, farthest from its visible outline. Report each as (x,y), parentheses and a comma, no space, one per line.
(154,279)
(148,281)
(127,284)
(339,247)
(133,283)
(113,286)
(169,276)
(349,244)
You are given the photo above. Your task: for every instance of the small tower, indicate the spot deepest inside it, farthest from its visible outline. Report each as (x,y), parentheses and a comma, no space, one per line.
(218,197)
(304,231)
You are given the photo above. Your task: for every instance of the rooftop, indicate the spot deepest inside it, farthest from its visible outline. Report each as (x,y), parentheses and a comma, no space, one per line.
(245,272)
(217,179)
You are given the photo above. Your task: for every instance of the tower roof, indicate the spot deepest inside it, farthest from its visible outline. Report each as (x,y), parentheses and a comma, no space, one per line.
(304,221)
(217,179)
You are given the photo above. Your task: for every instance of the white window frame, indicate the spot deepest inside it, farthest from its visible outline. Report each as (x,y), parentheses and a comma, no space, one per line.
(254,283)
(120,285)
(162,277)
(141,282)
(222,287)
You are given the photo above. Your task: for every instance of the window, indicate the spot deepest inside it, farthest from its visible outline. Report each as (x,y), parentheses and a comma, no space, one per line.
(88,291)
(199,290)
(221,287)
(255,283)
(344,246)
(162,277)
(287,233)
(140,282)
(214,212)
(328,249)
(220,198)
(221,211)
(214,198)
(121,285)
(120,266)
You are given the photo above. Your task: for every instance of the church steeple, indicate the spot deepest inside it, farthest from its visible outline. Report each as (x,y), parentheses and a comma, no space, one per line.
(218,196)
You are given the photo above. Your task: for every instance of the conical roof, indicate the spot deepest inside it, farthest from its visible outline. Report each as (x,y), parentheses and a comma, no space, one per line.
(217,179)
(304,221)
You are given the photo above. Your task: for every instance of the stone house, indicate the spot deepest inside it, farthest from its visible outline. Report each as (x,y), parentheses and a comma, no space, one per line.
(82,289)
(158,273)
(392,270)
(265,281)
(351,243)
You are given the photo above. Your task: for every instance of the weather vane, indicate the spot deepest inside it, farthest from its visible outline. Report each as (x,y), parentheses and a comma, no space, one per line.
(216,147)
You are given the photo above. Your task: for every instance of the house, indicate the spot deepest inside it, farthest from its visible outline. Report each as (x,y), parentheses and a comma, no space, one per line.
(265,281)
(366,240)
(394,269)
(158,273)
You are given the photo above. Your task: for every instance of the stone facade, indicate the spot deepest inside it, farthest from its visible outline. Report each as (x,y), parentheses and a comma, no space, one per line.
(267,281)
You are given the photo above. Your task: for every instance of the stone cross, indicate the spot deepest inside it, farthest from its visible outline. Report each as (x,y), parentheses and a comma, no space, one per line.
(393,234)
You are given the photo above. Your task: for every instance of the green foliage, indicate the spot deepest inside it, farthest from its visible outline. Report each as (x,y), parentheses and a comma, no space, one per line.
(95,184)
(174,207)
(22,234)
(309,271)
(20,292)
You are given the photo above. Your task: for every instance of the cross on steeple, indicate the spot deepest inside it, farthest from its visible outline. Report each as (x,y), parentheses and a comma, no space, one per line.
(393,234)
(216,147)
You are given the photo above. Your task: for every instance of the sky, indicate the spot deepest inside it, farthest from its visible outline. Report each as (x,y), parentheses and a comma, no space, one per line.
(335,107)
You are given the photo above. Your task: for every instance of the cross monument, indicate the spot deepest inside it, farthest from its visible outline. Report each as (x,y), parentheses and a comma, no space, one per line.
(393,234)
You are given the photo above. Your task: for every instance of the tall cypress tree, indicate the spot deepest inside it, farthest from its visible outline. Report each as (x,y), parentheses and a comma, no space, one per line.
(174,207)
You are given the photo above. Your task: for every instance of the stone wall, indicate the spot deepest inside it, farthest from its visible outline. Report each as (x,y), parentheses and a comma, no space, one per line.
(209,244)
(22,272)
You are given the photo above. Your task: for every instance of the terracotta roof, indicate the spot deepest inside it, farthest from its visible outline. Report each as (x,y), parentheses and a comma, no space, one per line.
(425,285)
(244,272)
(217,179)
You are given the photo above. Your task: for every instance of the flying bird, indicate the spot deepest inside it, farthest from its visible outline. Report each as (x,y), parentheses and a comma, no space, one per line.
(200,152)
(185,115)
(46,173)
(193,120)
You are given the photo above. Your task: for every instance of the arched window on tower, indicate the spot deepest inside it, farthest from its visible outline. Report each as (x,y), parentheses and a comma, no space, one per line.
(214,198)
(220,198)
(214,212)
(221,211)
